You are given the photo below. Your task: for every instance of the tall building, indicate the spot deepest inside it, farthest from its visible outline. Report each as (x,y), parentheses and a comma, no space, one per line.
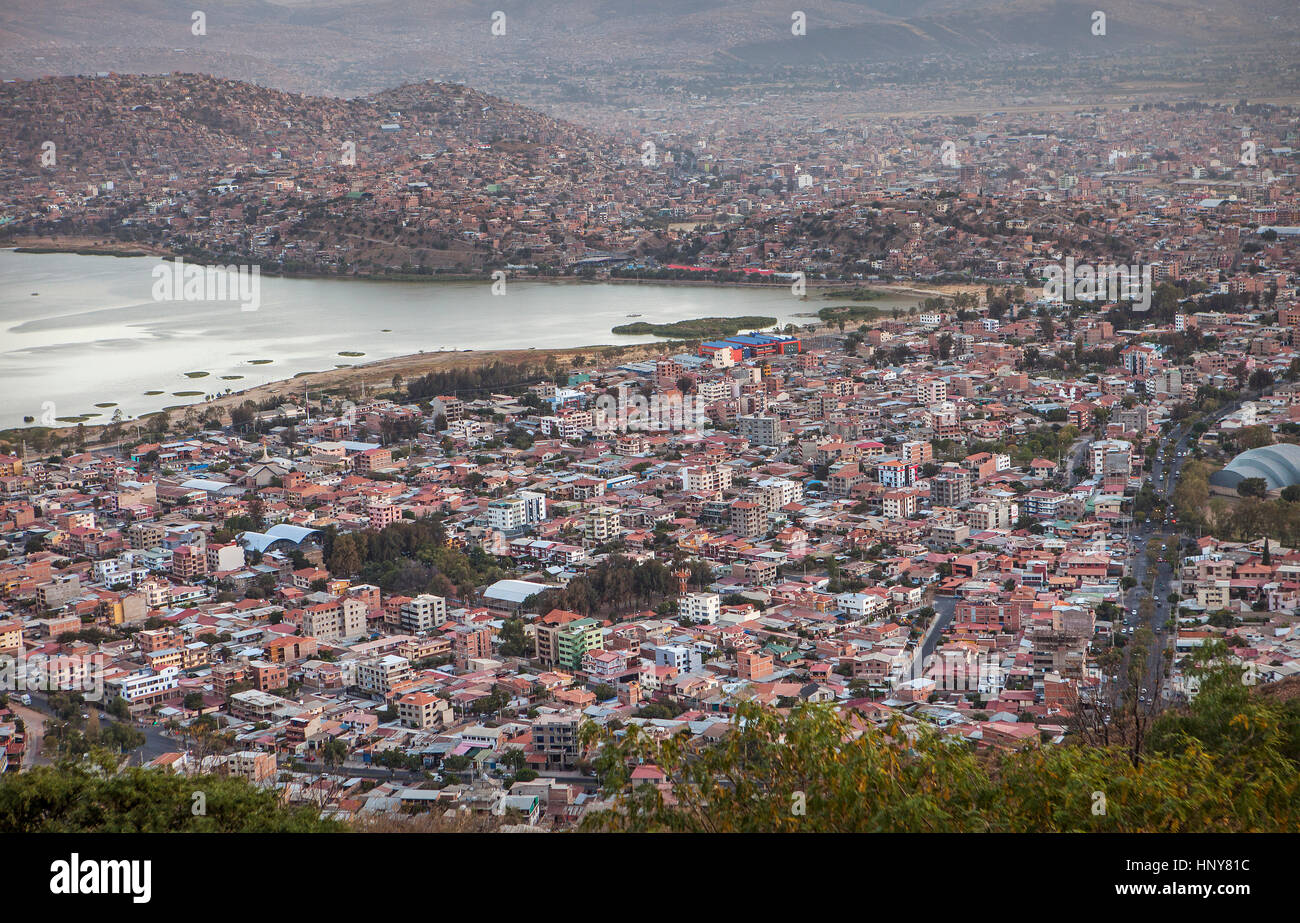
(471,642)
(950,487)
(378,676)
(746,518)
(556,738)
(601,525)
(423,613)
(896,473)
(508,514)
(760,429)
(701,607)
(575,639)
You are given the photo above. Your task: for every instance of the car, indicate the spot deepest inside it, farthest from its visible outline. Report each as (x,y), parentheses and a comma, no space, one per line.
(1133,612)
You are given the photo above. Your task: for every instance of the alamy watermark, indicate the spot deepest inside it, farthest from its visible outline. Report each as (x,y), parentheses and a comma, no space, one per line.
(57,673)
(981,672)
(1086,282)
(179,281)
(659,412)
(131,877)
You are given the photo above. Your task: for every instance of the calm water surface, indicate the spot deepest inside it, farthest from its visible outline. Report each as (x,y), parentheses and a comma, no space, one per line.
(93,334)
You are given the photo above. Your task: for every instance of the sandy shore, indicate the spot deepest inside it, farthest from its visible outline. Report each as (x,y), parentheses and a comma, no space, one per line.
(105,246)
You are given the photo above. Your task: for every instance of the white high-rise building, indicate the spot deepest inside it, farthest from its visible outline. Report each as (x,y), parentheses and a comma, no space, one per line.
(701,607)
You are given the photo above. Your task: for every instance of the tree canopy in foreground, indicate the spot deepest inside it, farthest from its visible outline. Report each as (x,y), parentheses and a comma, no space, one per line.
(1227,763)
(92,797)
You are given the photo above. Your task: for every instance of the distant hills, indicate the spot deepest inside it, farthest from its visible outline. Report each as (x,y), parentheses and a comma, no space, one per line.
(360,46)
(180,118)
(198,164)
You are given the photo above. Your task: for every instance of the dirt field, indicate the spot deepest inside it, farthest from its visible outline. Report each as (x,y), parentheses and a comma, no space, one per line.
(68,244)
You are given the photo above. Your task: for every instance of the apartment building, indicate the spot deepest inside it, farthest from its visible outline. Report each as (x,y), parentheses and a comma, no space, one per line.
(58,592)
(423,710)
(896,473)
(372,460)
(11,636)
(546,635)
(992,514)
(950,487)
(706,478)
(899,504)
(701,607)
(1111,455)
(338,620)
(423,613)
(753,665)
(574,640)
(555,739)
(774,493)
(681,658)
(601,525)
(256,766)
(760,429)
(471,642)
(379,675)
(145,687)
(508,515)
(225,557)
(861,605)
(746,518)
(931,391)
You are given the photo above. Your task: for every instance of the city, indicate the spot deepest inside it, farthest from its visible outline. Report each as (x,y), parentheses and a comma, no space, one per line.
(932,473)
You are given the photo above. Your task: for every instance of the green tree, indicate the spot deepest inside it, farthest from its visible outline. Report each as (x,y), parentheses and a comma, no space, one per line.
(344,559)
(91,796)
(333,753)
(514,643)
(1252,487)
(812,769)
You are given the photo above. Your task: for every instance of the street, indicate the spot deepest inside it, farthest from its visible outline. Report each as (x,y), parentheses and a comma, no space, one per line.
(1174,450)
(156,743)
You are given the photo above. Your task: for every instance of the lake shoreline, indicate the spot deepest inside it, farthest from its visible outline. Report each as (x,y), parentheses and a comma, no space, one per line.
(508,336)
(85,246)
(371,376)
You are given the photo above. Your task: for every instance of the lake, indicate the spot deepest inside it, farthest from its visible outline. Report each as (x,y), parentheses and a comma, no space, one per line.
(94,335)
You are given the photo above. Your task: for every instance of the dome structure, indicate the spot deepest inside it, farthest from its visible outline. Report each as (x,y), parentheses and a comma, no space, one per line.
(280,537)
(1278,465)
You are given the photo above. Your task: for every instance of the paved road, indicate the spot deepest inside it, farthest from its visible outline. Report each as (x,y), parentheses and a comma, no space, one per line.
(1076,457)
(944,608)
(156,743)
(360,771)
(34,727)
(1175,448)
